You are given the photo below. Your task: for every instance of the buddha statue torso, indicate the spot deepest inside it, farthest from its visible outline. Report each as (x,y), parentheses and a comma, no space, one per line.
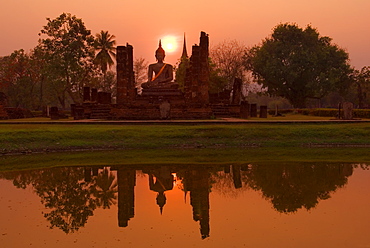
(163,73)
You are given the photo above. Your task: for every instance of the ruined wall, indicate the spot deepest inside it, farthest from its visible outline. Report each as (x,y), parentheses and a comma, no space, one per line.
(197,75)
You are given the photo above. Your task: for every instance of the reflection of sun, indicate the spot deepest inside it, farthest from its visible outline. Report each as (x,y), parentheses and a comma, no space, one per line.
(169,43)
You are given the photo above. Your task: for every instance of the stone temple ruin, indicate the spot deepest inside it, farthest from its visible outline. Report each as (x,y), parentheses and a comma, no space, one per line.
(160,97)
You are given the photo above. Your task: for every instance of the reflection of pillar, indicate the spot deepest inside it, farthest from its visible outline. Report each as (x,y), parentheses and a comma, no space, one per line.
(198,185)
(126,179)
(95,171)
(236,176)
(87,174)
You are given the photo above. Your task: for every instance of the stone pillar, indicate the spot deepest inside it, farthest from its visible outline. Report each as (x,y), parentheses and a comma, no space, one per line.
(244,110)
(347,111)
(339,111)
(253,112)
(204,68)
(86,95)
(94,95)
(54,113)
(108,98)
(263,111)
(126,91)
(165,109)
(100,97)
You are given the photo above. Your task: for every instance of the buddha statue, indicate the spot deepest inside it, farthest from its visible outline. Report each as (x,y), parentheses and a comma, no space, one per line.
(163,73)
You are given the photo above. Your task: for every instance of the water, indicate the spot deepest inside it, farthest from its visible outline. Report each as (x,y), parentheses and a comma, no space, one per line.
(241,205)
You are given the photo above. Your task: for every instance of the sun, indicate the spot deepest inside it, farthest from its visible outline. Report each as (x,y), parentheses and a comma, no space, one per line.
(169,43)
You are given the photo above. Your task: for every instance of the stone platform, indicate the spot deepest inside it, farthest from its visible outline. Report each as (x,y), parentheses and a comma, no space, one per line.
(160,92)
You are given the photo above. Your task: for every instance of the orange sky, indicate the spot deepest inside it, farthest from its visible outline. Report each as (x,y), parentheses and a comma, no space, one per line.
(143,23)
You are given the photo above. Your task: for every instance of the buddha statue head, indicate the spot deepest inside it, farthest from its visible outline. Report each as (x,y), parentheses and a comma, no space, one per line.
(160,53)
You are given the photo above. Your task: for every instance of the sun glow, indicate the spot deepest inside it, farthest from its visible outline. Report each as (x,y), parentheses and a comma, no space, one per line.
(169,43)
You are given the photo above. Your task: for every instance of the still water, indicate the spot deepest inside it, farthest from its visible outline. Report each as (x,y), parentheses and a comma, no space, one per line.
(239,205)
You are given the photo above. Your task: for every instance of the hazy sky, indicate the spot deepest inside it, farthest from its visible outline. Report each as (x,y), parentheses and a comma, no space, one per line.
(143,23)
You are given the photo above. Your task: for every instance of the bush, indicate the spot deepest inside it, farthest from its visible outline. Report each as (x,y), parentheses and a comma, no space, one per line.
(323,112)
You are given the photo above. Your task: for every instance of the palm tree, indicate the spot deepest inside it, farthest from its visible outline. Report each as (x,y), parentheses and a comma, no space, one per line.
(105,47)
(106,189)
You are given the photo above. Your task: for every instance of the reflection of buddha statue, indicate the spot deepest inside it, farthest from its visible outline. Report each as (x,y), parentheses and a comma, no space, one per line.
(163,73)
(163,182)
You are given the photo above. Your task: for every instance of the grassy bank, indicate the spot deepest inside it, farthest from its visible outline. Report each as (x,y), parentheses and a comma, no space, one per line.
(140,158)
(26,138)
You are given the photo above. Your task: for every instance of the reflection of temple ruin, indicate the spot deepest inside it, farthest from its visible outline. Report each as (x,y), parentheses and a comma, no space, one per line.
(288,187)
(193,101)
(126,195)
(197,182)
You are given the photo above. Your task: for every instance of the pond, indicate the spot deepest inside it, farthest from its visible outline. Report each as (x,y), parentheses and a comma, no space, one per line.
(255,205)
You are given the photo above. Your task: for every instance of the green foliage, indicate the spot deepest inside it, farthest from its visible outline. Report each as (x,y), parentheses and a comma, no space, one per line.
(104,45)
(69,52)
(361,86)
(141,71)
(20,79)
(357,113)
(180,72)
(323,112)
(298,64)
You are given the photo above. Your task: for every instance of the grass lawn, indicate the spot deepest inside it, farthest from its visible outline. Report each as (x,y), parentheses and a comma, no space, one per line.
(60,137)
(181,144)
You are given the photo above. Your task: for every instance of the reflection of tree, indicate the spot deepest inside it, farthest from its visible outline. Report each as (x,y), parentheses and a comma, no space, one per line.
(224,181)
(292,187)
(64,192)
(72,194)
(105,189)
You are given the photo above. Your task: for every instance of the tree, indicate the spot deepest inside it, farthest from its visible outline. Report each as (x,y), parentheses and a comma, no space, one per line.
(104,46)
(69,53)
(141,71)
(228,62)
(180,71)
(298,64)
(19,79)
(361,81)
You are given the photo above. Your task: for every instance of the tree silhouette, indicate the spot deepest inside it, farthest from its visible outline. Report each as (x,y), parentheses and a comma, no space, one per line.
(291,187)
(68,52)
(299,64)
(64,192)
(104,46)
(106,189)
